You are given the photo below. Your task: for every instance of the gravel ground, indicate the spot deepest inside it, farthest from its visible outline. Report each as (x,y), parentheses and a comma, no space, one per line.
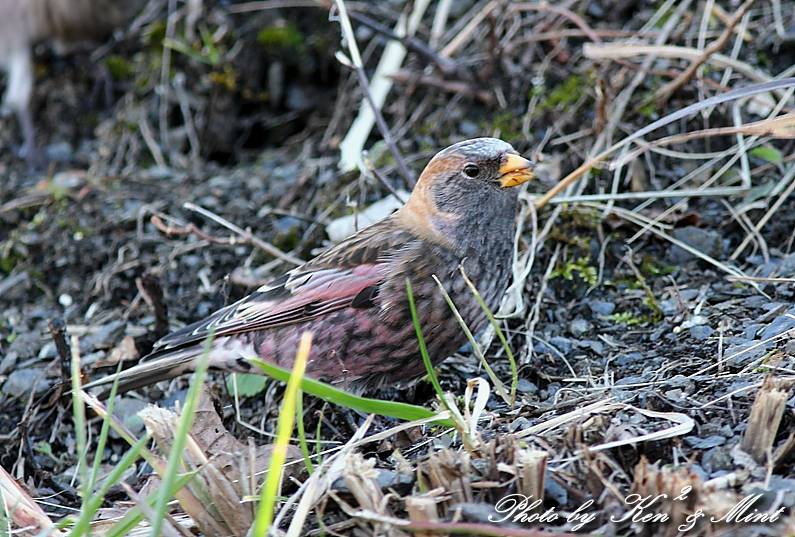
(606,313)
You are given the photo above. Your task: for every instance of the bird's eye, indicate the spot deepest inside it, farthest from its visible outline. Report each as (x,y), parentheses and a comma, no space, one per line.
(471,170)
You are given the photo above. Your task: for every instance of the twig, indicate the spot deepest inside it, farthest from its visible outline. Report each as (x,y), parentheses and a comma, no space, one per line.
(563,12)
(165,65)
(187,116)
(445,65)
(384,181)
(356,64)
(664,93)
(266,246)
(58,334)
(150,288)
(451,86)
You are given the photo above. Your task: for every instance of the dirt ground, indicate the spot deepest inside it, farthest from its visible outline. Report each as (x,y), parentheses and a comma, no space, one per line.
(652,303)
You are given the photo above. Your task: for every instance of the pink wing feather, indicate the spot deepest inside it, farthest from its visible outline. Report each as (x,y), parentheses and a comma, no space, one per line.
(293,298)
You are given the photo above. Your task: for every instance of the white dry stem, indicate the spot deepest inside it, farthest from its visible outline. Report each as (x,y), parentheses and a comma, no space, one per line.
(394,52)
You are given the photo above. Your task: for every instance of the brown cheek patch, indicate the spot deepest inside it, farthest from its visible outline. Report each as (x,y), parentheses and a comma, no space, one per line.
(439,167)
(416,215)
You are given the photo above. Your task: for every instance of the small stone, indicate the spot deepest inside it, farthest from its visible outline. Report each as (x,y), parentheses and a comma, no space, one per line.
(563,344)
(674,395)
(126,410)
(519,424)
(20,382)
(780,324)
(384,479)
(579,327)
(601,307)
(525,386)
(59,152)
(703,240)
(8,362)
(678,381)
(741,354)
(705,443)
(26,345)
(700,332)
(667,306)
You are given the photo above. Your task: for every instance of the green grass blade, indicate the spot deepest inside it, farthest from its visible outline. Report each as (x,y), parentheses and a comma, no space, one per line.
(299,423)
(423,350)
(183,429)
(134,516)
(498,385)
(334,395)
(94,502)
(284,428)
(500,335)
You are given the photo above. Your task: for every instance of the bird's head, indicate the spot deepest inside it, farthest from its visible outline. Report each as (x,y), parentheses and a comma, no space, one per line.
(467,177)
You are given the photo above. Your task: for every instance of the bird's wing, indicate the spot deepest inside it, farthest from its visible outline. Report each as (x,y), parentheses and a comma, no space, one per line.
(348,275)
(293,298)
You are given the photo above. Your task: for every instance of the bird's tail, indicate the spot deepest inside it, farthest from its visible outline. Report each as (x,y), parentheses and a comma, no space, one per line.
(157,367)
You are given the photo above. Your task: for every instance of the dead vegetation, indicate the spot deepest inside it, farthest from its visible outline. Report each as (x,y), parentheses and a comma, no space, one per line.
(651,309)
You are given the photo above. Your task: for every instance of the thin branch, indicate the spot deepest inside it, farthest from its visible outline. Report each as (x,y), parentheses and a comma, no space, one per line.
(664,93)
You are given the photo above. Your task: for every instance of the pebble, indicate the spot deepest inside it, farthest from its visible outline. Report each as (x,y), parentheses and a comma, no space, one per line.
(384,479)
(519,424)
(26,345)
(678,381)
(667,306)
(8,362)
(563,344)
(750,331)
(107,335)
(703,240)
(126,410)
(705,443)
(675,395)
(596,346)
(527,387)
(700,332)
(59,152)
(740,355)
(780,324)
(578,327)
(601,307)
(20,382)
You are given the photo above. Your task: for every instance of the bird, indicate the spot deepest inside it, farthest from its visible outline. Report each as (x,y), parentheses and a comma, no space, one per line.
(26,22)
(353,297)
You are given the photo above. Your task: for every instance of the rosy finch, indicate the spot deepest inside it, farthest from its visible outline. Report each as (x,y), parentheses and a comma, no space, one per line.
(353,298)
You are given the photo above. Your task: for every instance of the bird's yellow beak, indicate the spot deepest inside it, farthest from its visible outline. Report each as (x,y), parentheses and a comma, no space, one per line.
(515,170)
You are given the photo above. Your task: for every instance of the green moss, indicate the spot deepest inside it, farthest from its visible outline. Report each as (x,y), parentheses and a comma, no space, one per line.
(507,124)
(281,38)
(119,67)
(288,240)
(224,77)
(566,93)
(581,266)
(650,266)
(156,33)
(629,319)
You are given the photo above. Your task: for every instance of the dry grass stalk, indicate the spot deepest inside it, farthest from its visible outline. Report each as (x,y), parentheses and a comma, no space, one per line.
(531,470)
(21,515)
(676,493)
(451,471)
(423,508)
(359,474)
(765,417)
(215,497)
